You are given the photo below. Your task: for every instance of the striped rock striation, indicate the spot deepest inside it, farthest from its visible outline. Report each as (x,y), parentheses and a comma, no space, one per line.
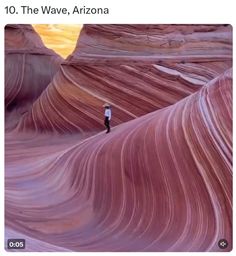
(160,182)
(136,68)
(29,68)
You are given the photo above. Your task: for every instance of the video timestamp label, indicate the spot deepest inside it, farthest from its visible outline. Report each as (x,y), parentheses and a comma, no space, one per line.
(15,244)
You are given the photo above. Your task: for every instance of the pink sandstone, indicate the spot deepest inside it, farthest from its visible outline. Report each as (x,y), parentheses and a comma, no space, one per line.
(29,68)
(137,69)
(161,182)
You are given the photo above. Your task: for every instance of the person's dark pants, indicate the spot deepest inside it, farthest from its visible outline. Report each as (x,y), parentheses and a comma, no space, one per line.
(107,124)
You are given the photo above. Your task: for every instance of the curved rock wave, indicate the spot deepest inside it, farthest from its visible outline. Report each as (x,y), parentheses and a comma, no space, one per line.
(161,182)
(137,69)
(29,68)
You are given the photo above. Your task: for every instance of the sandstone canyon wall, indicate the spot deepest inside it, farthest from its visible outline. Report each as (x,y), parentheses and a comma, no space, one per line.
(162,179)
(29,68)
(161,182)
(137,69)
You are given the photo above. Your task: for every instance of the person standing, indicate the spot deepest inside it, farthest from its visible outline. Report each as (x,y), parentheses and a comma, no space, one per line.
(107,115)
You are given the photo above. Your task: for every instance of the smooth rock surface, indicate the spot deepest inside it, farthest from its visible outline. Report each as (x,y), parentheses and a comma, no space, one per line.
(29,68)
(137,69)
(161,180)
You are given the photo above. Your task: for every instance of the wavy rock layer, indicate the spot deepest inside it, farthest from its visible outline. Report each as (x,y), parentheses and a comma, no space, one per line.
(161,182)
(29,68)
(138,69)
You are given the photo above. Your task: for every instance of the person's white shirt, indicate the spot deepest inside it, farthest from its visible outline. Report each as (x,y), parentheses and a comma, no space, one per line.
(108,113)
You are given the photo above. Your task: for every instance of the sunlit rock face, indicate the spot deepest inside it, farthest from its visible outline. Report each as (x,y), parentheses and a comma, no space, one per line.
(161,182)
(136,68)
(29,68)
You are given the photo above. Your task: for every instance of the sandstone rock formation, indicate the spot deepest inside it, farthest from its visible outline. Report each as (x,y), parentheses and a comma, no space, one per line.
(138,69)
(29,68)
(162,179)
(162,182)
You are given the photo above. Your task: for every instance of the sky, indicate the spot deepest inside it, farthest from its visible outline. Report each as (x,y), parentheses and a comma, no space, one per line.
(61,38)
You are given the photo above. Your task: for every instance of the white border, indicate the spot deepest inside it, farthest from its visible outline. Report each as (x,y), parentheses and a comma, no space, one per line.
(121,11)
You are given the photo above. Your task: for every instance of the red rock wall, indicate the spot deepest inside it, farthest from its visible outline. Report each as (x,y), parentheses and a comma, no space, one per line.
(162,179)
(29,68)
(137,69)
(162,182)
